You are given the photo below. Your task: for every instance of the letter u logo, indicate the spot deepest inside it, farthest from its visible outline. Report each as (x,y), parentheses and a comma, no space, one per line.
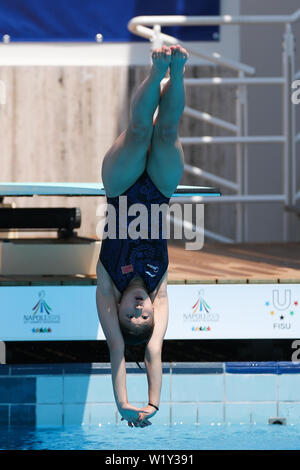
(282,302)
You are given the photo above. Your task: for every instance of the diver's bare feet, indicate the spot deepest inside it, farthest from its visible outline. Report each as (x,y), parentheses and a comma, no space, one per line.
(179,56)
(161,59)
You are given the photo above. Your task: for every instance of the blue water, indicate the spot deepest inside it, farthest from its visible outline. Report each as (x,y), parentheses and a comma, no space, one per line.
(179,437)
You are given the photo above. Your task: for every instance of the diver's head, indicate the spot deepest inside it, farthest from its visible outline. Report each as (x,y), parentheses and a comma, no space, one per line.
(136,315)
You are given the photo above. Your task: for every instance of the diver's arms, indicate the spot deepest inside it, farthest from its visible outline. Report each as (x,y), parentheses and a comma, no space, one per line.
(153,349)
(108,317)
(107,311)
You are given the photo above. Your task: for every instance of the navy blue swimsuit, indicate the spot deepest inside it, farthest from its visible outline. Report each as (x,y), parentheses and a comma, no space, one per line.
(126,258)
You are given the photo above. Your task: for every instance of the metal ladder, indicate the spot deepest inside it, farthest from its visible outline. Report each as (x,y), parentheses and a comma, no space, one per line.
(141,26)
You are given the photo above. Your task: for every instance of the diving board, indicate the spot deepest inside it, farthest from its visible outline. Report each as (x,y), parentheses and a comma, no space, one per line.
(87,189)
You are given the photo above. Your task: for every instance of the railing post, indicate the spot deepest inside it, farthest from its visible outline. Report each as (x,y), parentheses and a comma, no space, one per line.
(241,160)
(289,155)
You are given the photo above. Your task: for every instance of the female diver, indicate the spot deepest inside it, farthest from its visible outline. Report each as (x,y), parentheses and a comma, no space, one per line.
(145,165)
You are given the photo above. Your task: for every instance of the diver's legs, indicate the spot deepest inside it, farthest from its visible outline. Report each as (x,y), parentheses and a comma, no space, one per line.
(126,159)
(166,160)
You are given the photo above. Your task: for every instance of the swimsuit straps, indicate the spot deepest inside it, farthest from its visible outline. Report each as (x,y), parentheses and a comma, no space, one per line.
(126,258)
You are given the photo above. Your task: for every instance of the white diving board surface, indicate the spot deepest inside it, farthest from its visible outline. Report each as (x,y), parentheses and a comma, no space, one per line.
(87,189)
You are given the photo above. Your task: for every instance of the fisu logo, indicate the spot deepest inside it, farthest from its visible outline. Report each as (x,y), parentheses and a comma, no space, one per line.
(282,308)
(281,301)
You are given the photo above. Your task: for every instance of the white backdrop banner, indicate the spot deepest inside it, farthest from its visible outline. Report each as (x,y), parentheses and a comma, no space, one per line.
(196,311)
(234,311)
(49,313)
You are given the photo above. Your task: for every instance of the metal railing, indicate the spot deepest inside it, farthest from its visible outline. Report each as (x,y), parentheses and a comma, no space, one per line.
(140,26)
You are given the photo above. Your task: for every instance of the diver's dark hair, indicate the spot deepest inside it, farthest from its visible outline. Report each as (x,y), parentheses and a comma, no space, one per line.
(136,336)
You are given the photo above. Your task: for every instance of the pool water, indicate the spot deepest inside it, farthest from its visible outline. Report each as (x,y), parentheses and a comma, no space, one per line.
(176,437)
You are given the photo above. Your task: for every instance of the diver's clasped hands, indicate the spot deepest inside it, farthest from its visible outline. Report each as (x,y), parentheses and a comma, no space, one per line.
(136,417)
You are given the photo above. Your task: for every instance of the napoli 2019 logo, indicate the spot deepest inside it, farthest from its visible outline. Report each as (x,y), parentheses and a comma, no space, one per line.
(201,303)
(282,308)
(41,314)
(41,305)
(202,312)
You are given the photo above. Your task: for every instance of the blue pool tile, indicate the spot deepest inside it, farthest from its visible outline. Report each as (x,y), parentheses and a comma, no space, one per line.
(75,388)
(49,389)
(77,368)
(197,368)
(166,366)
(246,413)
(87,368)
(250,387)
(289,367)
(261,412)
(251,367)
(4,369)
(49,415)
(289,387)
(94,388)
(198,387)
(135,369)
(210,413)
(22,414)
(76,414)
(101,368)
(237,413)
(3,414)
(102,414)
(100,389)
(36,369)
(183,413)
(17,390)
(290,411)
(137,387)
